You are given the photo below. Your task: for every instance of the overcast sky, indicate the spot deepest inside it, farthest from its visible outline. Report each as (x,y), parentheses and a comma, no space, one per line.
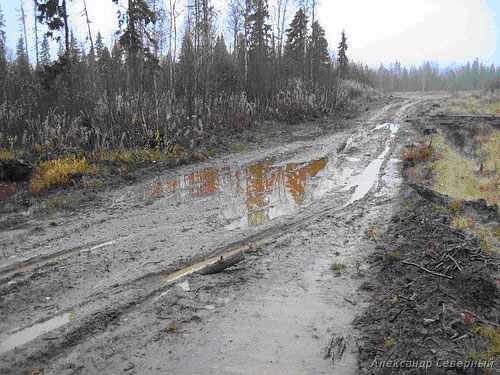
(378,31)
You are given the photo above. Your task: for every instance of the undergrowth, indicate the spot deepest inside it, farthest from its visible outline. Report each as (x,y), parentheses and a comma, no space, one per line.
(59,171)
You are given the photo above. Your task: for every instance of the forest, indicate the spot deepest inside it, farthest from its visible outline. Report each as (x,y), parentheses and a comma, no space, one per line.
(162,86)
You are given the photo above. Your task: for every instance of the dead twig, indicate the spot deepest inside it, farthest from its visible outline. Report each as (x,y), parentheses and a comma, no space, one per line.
(145,264)
(397,314)
(373,348)
(412,298)
(454,261)
(464,336)
(351,302)
(426,270)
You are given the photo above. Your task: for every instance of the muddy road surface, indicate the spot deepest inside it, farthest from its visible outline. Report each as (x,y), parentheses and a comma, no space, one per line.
(112,289)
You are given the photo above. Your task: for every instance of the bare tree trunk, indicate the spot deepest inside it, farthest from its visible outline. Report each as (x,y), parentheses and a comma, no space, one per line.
(313,18)
(88,25)
(35,8)
(66,27)
(170,52)
(23,20)
(245,41)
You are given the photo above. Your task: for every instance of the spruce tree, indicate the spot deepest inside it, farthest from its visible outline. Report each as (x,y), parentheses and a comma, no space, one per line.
(342,58)
(186,71)
(295,48)
(258,30)
(55,16)
(45,51)
(21,65)
(223,70)
(318,50)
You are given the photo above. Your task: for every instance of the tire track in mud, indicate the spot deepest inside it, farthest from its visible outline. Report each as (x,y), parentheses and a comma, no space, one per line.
(148,286)
(42,259)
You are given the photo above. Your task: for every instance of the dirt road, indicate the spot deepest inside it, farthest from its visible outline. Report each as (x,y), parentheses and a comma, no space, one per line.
(91,293)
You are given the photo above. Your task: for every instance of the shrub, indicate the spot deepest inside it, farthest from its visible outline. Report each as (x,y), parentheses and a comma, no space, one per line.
(371,232)
(420,153)
(58,171)
(456,205)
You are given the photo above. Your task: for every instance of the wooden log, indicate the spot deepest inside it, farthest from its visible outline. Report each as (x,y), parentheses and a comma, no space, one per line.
(431,194)
(223,263)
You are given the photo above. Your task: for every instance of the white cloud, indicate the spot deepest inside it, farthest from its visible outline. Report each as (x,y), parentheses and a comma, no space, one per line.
(412,31)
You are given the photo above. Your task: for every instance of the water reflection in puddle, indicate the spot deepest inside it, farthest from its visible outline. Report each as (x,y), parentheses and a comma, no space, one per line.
(392,127)
(265,191)
(390,178)
(9,342)
(366,179)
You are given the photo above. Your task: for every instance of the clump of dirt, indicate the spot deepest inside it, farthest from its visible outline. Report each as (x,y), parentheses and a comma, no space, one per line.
(434,287)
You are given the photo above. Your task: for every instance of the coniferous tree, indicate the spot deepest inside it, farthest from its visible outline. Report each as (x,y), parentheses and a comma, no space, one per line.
(257,16)
(186,71)
(223,69)
(318,50)
(21,72)
(22,68)
(55,16)
(241,61)
(295,48)
(45,51)
(138,17)
(343,61)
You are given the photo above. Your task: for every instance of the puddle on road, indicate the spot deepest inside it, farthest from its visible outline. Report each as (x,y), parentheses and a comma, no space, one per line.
(23,336)
(264,185)
(390,178)
(263,191)
(266,191)
(364,181)
(391,126)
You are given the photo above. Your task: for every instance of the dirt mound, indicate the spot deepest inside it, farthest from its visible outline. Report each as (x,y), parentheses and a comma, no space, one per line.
(433,286)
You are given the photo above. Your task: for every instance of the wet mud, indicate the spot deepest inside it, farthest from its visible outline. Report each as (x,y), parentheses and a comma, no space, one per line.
(127,272)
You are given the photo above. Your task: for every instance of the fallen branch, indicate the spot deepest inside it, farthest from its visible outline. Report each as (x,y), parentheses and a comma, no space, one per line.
(351,302)
(426,270)
(398,314)
(223,263)
(454,261)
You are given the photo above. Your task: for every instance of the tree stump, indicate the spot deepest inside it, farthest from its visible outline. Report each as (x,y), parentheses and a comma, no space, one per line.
(15,170)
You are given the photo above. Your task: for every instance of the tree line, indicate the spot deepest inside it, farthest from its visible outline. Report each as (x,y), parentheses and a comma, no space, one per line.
(146,83)
(186,82)
(429,77)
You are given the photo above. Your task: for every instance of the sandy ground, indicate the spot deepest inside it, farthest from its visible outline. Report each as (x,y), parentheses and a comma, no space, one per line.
(88,292)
